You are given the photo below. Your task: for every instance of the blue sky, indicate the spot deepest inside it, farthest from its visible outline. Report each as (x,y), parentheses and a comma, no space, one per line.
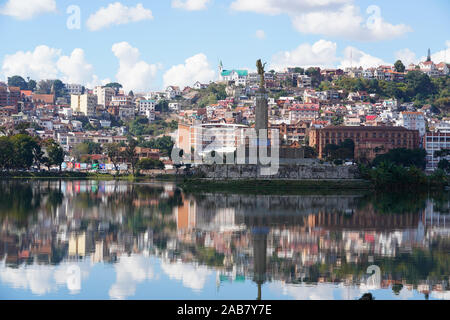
(292,32)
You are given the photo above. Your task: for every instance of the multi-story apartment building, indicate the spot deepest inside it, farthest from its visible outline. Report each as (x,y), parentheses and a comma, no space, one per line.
(122,101)
(146,105)
(413,121)
(369,141)
(85,104)
(204,138)
(291,133)
(303,112)
(436,141)
(73,88)
(147,109)
(304,81)
(9,96)
(104,95)
(123,106)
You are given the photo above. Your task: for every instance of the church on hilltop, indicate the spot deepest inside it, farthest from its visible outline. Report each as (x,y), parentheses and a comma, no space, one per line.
(238,76)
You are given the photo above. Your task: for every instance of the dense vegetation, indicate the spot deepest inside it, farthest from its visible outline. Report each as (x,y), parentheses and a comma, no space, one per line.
(418,88)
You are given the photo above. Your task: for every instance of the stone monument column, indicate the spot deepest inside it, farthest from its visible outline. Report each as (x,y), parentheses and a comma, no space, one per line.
(262,106)
(261,111)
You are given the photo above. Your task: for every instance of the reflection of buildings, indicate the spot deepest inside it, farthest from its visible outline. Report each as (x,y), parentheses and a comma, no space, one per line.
(293,239)
(303,232)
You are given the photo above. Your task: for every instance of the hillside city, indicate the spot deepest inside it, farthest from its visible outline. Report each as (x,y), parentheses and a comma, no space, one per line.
(335,115)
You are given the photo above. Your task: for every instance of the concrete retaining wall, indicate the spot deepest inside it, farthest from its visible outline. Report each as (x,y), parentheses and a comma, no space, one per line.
(285,172)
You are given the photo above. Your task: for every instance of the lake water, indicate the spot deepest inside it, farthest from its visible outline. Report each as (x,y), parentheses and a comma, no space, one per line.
(121,240)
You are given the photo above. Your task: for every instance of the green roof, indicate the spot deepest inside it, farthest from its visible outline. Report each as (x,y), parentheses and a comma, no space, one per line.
(241,73)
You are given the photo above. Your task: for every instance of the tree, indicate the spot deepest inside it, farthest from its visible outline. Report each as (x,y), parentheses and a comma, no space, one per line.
(162,106)
(444,164)
(399,66)
(165,144)
(17,81)
(32,85)
(23,151)
(80,150)
(419,85)
(131,155)
(299,70)
(38,156)
(150,164)
(55,153)
(44,87)
(403,157)
(58,88)
(310,152)
(342,151)
(116,86)
(337,120)
(6,153)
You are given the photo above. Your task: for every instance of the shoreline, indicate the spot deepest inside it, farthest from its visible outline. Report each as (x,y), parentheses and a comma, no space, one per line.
(264,186)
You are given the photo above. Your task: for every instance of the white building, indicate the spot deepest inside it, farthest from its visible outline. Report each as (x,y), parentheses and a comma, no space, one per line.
(126,112)
(147,109)
(65,112)
(429,68)
(198,85)
(238,76)
(85,104)
(175,107)
(413,121)
(73,88)
(104,95)
(436,141)
(172,92)
(145,105)
(304,81)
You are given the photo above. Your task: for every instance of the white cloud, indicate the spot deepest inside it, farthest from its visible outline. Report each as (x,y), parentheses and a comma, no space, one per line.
(337,18)
(75,68)
(49,63)
(195,69)
(27,9)
(260,34)
(274,7)
(133,74)
(116,14)
(193,277)
(45,279)
(443,55)
(406,56)
(190,5)
(37,64)
(130,271)
(322,53)
(357,58)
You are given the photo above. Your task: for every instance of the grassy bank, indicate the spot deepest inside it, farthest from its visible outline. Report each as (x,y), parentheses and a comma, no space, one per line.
(271,186)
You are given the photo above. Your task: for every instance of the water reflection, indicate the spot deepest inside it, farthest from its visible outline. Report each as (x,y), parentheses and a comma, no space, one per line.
(103,240)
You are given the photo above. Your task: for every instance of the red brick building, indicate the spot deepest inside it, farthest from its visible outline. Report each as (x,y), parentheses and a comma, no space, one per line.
(369,141)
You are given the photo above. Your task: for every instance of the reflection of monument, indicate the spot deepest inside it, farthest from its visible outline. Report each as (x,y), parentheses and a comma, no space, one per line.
(259,257)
